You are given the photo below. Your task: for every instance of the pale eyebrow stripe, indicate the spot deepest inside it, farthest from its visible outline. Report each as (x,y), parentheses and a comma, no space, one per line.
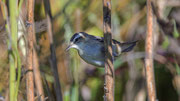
(81,34)
(77,36)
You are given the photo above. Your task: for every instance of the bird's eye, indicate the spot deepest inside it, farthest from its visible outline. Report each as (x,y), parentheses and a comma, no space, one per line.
(77,39)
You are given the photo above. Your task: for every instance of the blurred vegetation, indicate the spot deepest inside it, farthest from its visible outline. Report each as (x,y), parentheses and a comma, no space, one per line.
(83,82)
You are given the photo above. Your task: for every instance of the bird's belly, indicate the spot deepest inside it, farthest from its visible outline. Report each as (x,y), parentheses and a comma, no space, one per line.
(93,57)
(93,61)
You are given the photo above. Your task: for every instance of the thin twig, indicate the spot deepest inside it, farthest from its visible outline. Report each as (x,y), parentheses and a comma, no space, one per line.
(53,60)
(37,76)
(149,55)
(50,96)
(30,30)
(109,68)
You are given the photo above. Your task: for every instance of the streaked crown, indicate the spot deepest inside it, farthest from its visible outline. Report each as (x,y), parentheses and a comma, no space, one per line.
(78,37)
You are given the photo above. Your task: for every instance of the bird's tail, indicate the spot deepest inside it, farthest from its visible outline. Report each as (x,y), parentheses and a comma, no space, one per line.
(127,46)
(122,47)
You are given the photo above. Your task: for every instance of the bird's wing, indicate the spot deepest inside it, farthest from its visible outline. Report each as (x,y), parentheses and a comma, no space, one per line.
(100,39)
(123,47)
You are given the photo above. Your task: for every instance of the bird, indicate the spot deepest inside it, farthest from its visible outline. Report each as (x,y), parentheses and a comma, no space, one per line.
(91,48)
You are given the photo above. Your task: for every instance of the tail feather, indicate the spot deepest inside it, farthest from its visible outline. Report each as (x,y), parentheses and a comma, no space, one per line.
(126,47)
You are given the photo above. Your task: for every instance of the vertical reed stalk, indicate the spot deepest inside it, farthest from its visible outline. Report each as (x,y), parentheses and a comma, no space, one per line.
(13,56)
(109,68)
(37,76)
(53,61)
(12,77)
(30,30)
(149,54)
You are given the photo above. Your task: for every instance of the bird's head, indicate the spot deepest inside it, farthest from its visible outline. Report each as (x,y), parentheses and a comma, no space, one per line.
(76,40)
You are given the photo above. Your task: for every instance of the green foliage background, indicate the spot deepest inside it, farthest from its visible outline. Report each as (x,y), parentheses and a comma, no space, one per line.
(83,82)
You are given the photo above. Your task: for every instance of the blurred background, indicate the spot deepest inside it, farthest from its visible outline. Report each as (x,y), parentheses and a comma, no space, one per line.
(83,82)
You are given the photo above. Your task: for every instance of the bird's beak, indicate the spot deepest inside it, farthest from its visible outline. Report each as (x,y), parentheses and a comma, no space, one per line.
(69,46)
